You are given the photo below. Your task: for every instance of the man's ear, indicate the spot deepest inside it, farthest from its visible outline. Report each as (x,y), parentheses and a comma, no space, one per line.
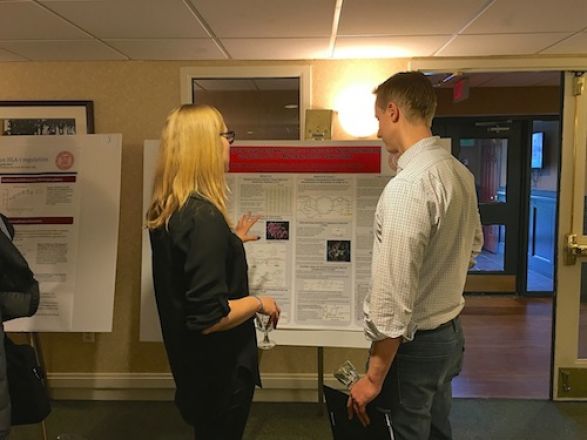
(393,111)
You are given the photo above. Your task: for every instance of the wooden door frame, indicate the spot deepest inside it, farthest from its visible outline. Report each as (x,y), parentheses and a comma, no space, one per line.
(566,359)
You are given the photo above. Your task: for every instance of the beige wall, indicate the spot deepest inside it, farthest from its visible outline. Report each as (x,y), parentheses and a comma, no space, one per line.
(133,98)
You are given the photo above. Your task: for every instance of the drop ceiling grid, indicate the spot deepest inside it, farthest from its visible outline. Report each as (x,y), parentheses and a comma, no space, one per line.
(286,30)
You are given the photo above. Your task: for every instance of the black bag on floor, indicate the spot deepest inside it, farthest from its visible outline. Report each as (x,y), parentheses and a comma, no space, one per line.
(28,395)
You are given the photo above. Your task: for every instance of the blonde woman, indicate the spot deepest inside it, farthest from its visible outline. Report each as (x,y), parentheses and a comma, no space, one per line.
(200,276)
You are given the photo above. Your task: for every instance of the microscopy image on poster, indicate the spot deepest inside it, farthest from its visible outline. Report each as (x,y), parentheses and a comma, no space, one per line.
(276,230)
(338,250)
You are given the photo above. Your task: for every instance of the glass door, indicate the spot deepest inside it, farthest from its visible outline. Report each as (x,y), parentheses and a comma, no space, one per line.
(570,340)
(492,150)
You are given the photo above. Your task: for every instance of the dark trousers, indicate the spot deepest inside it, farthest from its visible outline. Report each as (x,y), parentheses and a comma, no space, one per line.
(418,388)
(228,422)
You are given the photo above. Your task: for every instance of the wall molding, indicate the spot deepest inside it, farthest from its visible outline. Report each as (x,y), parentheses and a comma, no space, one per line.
(160,386)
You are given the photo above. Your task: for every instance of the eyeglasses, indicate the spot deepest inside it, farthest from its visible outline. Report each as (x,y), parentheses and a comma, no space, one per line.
(229,135)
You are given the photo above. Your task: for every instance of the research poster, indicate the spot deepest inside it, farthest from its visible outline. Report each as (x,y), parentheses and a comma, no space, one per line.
(40,194)
(62,193)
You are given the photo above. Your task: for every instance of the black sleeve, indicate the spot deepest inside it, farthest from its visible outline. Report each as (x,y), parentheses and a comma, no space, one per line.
(19,304)
(19,291)
(205,244)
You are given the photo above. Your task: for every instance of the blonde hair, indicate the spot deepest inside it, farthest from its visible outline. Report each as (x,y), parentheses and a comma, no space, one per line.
(412,91)
(191,160)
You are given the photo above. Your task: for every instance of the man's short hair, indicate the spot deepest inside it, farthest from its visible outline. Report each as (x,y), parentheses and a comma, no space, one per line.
(412,92)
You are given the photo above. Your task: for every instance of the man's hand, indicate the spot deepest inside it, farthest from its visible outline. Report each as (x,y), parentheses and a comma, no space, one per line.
(362,392)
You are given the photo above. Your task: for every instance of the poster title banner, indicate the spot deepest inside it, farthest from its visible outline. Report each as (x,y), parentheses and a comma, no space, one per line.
(305,159)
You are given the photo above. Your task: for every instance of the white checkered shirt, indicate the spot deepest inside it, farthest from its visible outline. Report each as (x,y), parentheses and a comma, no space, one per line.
(426,233)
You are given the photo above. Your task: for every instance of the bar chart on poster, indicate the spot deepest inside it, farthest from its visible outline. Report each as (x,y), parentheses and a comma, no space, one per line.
(316,202)
(62,194)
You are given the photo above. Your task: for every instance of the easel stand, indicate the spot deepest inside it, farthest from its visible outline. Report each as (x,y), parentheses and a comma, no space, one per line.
(35,342)
(320,365)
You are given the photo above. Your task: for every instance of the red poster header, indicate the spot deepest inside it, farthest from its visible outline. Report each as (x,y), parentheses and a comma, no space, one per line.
(41,220)
(281,159)
(37,179)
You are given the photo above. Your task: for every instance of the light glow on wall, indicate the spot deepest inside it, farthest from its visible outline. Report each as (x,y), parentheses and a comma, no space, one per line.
(356,110)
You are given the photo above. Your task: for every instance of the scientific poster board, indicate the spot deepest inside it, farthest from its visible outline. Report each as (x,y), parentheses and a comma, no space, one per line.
(62,193)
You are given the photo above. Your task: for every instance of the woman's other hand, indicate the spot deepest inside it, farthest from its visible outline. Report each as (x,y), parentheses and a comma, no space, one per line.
(243,226)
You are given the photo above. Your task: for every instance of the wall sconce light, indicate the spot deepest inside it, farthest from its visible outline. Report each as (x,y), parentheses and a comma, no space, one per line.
(356,110)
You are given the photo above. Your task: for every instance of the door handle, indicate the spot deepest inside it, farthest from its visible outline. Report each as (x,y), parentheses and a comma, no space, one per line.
(565,378)
(574,250)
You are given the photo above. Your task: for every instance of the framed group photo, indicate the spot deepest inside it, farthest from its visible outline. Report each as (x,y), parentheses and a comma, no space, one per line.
(30,118)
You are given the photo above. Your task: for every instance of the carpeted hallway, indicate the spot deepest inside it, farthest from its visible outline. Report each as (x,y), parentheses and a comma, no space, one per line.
(473,419)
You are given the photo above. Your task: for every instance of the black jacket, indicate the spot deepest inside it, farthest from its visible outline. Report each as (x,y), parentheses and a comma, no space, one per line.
(198,265)
(19,291)
(19,297)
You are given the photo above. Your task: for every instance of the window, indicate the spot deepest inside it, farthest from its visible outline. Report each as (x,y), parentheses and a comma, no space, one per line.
(259,103)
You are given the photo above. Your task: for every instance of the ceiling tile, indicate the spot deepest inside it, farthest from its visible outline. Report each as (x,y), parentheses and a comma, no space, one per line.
(29,21)
(172,49)
(268,19)
(422,17)
(388,47)
(577,44)
(128,19)
(277,48)
(7,56)
(531,16)
(62,50)
(503,44)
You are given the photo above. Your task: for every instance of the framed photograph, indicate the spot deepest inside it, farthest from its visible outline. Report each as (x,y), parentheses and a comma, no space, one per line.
(18,118)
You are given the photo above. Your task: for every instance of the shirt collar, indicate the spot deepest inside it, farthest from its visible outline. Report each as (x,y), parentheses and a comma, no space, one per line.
(419,147)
